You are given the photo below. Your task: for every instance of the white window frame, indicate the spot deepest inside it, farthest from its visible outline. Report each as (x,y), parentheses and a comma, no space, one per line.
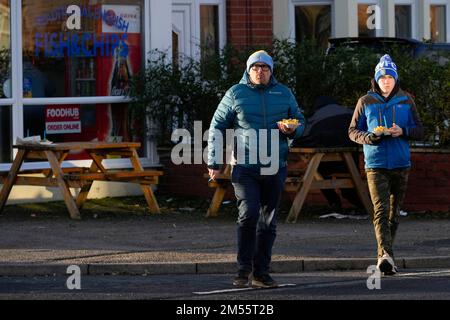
(447,14)
(378,32)
(414,17)
(300,3)
(18,102)
(186,32)
(195,23)
(222,19)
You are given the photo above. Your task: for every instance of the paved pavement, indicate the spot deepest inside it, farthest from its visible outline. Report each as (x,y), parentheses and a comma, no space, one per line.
(178,244)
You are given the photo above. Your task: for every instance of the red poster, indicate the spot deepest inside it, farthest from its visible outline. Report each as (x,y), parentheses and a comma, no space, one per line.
(122,24)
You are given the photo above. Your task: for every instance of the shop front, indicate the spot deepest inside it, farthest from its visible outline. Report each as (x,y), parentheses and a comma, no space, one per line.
(65,69)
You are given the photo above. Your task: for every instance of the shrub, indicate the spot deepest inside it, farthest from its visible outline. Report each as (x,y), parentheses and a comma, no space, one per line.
(176,96)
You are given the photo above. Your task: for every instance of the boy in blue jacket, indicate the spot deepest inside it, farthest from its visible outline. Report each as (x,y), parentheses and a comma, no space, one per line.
(386,152)
(251,109)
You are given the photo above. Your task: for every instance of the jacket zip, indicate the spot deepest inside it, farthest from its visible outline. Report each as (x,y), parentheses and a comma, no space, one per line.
(263,100)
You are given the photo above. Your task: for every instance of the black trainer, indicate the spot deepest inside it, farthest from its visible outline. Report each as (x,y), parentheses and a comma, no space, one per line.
(392,272)
(264,281)
(242,279)
(386,264)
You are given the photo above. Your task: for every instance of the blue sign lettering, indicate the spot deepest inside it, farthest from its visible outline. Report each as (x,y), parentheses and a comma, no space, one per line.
(57,44)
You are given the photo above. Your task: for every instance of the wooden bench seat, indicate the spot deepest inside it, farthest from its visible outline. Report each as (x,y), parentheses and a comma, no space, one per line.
(292,184)
(29,177)
(46,171)
(143,177)
(78,177)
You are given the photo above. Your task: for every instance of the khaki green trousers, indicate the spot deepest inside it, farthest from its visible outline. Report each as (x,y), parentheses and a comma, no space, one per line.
(387,191)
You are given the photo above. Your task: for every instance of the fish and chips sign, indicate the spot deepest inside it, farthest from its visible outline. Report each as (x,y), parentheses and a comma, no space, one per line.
(118,21)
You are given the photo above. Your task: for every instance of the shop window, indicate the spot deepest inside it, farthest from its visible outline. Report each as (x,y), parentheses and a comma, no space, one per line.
(366,20)
(5,82)
(403,21)
(6,133)
(438,23)
(74,122)
(81,48)
(313,23)
(5,49)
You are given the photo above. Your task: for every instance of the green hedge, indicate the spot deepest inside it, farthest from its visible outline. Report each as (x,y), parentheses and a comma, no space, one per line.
(176,96)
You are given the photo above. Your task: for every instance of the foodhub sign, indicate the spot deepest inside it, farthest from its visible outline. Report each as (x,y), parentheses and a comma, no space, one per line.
(62,119)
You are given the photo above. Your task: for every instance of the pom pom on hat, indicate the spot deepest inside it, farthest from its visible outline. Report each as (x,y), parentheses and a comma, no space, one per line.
(260,56)
(386,67)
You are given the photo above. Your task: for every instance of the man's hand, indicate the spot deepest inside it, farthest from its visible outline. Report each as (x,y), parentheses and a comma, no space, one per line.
(213,174)
(395,131)
(286,130)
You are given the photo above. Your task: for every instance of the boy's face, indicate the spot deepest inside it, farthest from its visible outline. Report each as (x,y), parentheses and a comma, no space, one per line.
(387,84)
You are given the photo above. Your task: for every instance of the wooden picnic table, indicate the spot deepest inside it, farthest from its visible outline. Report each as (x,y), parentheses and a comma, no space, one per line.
(303,181)
(313,180)
(83,178)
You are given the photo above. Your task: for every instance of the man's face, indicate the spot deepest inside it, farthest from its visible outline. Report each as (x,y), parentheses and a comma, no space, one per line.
(260,73)
(387,84)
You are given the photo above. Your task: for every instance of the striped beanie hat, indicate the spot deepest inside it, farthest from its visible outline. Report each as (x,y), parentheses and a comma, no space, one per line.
(386,67)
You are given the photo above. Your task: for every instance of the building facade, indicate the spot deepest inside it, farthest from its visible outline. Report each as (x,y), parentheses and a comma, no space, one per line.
(320,19)
(65,64)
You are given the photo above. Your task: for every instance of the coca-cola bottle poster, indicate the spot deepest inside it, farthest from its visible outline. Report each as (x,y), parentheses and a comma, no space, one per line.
(121,24)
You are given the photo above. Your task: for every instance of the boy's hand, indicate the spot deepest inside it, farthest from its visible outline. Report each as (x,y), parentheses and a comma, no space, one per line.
(374,138)
(395,131)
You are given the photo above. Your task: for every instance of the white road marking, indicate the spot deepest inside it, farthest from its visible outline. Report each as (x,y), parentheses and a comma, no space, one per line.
(425,273)
(328,284)
(242,289)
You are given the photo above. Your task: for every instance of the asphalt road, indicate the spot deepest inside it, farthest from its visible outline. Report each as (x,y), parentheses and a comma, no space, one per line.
(431,284)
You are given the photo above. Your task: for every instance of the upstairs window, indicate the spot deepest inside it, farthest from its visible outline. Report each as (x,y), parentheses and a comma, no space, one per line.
(403,21)
(367,20)
(438,23)
(313,22)
(209,30)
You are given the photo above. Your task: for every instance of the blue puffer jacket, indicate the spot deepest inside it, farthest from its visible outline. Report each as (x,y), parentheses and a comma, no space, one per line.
(371,111)
(246,109)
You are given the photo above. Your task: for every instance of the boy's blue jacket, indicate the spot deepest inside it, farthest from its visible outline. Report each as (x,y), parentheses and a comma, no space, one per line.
(373,110)
(247,108)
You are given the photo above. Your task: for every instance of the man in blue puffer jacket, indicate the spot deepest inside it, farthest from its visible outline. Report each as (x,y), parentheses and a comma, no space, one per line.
(386,153)
(252,109)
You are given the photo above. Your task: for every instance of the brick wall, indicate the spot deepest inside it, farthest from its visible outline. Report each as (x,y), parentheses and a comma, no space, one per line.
(428,187)
(185,180)
(249,22)
(429,182)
